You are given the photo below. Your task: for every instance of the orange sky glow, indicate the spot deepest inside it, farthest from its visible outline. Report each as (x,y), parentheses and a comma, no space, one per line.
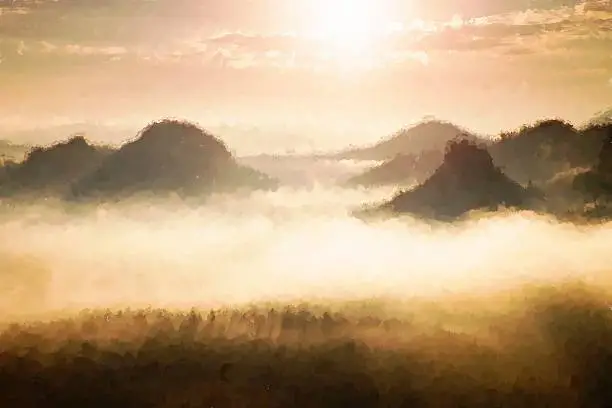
(343,71)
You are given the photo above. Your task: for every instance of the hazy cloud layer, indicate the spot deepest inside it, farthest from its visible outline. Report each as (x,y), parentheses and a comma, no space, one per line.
(212,26)
(248,64)
(284,245)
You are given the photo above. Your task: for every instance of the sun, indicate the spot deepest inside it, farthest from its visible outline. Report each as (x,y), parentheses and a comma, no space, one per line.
(349,27)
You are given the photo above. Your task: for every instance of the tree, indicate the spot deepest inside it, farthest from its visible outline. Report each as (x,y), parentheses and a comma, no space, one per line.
(604,167)
(466,180)
(597,183)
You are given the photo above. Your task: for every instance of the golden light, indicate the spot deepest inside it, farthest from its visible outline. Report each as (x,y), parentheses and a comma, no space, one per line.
(349,28)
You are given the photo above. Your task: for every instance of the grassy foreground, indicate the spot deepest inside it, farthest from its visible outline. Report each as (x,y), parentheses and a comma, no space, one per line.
(540,347)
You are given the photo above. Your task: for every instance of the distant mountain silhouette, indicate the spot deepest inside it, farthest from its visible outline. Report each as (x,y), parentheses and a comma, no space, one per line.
(594,138)
(539,152)
(570,165)
(467,180)
(597,182)
(533,154)
(425,136)
(603,117)
(403,170)
(604,165)
(170,156)
(52,169)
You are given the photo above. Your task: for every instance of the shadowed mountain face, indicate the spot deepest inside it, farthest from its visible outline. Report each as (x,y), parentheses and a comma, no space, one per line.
(467,180)
(403,170)
(597,182)
(53,169)
(430,135)
(170,156)
(538,153)
(605,156)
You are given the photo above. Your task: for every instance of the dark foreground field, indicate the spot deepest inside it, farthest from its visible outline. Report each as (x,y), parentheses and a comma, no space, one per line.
(538,347)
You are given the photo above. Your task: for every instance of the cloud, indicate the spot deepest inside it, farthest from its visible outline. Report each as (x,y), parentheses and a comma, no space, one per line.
(24,53)
(206,36)
(290,243)
(517,32)
(467,25)
(258,42)
(75,49)
(586,26)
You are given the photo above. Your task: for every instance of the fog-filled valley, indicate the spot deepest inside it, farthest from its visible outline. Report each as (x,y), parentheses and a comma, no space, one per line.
(441,269)
(289,244)
(305,203)
(173,218)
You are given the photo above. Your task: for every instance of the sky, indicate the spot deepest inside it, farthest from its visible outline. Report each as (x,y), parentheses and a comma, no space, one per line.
(341,71)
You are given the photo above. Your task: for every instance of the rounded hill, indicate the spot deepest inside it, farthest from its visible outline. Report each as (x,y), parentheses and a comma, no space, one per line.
(52,169)
(171,156)
(466,180)
(424,136)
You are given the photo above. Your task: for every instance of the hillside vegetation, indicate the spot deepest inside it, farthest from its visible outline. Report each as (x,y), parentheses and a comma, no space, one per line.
(552,349)
(166,157)
(466,180)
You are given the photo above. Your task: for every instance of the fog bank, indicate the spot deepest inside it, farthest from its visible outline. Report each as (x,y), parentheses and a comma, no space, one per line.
(276,246)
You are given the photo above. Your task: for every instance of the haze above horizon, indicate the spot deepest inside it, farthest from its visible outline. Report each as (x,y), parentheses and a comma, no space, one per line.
(351,71)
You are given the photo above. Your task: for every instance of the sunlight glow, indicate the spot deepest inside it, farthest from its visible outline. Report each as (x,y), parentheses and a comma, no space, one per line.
(350,28)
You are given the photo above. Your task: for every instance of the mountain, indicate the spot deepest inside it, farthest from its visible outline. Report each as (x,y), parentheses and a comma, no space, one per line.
(596,183)
(539,152)
(170,156)
(402,170)
(428,135)
(603,117)
(466,180)
(534,153)
(52,169)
